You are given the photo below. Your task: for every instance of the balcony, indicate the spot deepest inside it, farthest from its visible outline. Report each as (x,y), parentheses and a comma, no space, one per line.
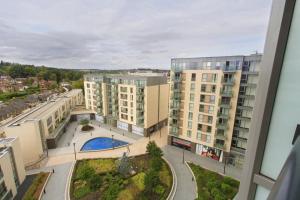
(226,93)
(247,96)
(225,104)
(221,136)
(223,126)
(220,146)
(228,81)
(223,116)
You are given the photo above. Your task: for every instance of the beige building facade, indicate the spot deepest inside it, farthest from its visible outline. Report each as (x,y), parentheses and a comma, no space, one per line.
(41,128)
(12,172)
(211,102)
(137,103)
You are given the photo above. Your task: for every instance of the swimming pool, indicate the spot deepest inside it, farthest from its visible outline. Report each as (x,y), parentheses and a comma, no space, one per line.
(101,143)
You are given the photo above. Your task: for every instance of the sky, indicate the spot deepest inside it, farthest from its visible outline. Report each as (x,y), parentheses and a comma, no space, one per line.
(118,34)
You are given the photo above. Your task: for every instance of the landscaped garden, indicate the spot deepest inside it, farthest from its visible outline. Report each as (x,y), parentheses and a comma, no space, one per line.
(36,187)
(213,186)
(127,178)
(86,125)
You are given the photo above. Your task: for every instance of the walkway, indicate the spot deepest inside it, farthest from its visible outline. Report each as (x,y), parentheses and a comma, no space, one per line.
(186,188)
(56,186)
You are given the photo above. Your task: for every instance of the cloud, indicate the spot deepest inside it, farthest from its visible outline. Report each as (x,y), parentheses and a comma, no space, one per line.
(115,34)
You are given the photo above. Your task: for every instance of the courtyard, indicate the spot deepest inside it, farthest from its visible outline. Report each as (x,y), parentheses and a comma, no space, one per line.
(62,159)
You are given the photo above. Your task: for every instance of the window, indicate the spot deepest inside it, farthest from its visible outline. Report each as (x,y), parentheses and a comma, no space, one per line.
(192,97)
(209,119)
(204,77)
(193,77)
(201,108)
(192,87)
(203,88)
(190,124)
(131,90)
(202,98)
(123,89)
(189,133)
(88,85)
(208,129)
(191,107)
(213,88)
(199,128)
(190,115)
(200,118)
(198,135)
(212,99)
(208,138)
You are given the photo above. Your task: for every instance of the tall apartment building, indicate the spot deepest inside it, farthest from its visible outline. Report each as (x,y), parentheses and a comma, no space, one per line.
(211,102)
(40,128)
(137,103)
(12,172)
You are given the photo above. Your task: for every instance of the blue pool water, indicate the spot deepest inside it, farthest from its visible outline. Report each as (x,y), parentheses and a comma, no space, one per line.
(101,143)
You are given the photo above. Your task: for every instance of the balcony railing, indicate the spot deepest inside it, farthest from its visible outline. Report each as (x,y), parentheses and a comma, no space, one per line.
(220,146)
(223,115)
(223,126)
(228,81)
(227,93)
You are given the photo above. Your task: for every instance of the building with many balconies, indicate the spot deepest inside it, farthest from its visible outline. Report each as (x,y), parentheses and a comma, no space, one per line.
(211,103)
(137,103)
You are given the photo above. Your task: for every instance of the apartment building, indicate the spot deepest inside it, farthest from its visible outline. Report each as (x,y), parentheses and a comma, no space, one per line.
(211,103)
(40,128)
(137,103)
(12,172)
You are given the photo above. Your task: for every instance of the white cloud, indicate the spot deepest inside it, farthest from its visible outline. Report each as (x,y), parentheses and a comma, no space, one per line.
(128,33)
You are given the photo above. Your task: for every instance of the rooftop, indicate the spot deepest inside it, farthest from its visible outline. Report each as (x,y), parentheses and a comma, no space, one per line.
(43,109)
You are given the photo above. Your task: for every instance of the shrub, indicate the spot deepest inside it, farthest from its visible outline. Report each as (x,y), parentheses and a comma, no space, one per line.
(33,191)
(154,150)
(227,189)
(85,172)
(159,189)
(95,182)
(151,180)
(84,122)
(112,192)
(156,163)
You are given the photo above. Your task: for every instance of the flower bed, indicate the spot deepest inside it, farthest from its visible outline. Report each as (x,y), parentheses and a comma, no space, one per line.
(105,179)
(212,185)
(87,128)
(36,187)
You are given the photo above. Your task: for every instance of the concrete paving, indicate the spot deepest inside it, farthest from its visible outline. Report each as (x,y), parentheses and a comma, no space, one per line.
(57,184)
(186,188)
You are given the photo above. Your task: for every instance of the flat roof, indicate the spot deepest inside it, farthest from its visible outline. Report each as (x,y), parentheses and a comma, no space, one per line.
(43,109)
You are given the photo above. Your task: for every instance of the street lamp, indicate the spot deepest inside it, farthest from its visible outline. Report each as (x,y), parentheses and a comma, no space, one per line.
(74,150)
(112,142)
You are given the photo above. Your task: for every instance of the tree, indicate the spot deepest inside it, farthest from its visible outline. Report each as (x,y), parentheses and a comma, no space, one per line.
(153,150)
(151,180)
(156,163)
(124,166)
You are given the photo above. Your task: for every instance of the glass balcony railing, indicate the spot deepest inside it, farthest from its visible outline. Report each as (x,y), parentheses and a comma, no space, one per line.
(220,145)
(228,81)
(227,93)
(223,115)
(223,126)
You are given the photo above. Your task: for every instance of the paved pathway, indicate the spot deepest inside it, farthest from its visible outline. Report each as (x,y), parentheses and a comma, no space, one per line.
(56,186)
(186,188)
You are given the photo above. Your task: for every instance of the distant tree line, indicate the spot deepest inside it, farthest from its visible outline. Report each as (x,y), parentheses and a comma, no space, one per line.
(16,70)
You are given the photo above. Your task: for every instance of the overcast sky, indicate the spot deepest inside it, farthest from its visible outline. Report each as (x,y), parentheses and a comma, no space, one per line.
(113,34)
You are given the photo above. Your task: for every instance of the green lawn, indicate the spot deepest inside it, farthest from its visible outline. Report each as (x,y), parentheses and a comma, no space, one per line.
(100,179)
(213,186)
